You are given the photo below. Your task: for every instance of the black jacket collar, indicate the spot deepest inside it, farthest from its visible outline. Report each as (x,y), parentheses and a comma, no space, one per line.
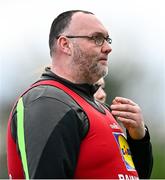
(86,90)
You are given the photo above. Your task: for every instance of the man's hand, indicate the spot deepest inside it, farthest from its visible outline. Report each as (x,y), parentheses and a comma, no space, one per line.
(129,113)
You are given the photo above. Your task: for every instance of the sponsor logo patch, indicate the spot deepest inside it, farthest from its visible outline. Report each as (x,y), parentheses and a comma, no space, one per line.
(125,150)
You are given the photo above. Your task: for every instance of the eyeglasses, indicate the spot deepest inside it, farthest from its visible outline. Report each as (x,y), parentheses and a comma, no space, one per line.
(98,39)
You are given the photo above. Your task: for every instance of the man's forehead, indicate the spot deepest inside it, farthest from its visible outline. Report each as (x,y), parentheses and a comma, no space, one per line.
(86,22)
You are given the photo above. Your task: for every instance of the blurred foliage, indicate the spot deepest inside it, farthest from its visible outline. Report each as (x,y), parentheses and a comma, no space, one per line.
(158,171)
(4,113)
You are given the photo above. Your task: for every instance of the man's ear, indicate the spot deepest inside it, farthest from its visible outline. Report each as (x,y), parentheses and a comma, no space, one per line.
(64,44)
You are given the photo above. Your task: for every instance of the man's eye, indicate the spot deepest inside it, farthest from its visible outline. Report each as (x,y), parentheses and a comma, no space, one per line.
(99,37)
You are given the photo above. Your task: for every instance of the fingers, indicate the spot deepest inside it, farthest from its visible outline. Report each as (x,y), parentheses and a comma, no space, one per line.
(121,100)
(128,123)
(125,107)
(124,104)
(123,114)
(129,113)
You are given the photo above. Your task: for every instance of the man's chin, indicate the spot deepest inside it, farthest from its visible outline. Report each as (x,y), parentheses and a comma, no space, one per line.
(103,73)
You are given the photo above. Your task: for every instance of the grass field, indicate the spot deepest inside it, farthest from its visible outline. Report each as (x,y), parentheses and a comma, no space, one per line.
(158,171)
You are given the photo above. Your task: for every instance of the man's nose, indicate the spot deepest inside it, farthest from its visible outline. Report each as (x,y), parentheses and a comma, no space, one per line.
(106,48)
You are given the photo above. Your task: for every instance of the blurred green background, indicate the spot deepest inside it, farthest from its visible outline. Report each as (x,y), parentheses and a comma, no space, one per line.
(136,65)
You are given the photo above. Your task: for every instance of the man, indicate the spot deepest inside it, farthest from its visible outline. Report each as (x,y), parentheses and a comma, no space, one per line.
(100,95)
(56,130)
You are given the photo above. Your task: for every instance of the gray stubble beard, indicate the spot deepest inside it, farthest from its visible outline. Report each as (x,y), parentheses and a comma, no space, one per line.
(89,73)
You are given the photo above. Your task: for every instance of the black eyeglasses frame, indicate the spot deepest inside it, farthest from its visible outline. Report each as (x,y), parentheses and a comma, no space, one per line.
(95,38)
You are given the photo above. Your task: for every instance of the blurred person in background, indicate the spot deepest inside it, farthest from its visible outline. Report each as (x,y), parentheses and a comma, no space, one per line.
(100,95)
(57,130)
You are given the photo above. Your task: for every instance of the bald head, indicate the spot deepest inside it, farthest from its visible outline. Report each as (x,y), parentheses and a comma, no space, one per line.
(85,24)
